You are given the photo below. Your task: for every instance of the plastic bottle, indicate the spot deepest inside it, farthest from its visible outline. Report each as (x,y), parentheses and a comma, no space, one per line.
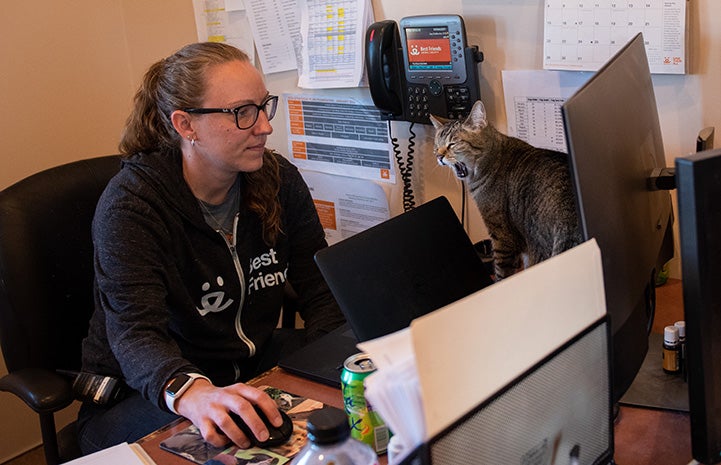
(330,442)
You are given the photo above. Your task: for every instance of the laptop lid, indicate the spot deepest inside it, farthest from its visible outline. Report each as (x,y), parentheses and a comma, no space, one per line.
(405,267)
(386,276)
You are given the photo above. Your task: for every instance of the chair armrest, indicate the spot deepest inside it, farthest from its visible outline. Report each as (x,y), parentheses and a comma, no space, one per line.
(42,390)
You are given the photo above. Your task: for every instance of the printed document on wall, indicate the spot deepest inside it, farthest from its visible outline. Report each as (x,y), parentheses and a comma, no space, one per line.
(343,136)
(533,104)
(276,28)
(582,36)
(224,21)
(346,206)
(333,36)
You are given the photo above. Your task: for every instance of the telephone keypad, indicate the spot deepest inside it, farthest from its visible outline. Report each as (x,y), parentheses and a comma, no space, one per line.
(418,101)
(455,98)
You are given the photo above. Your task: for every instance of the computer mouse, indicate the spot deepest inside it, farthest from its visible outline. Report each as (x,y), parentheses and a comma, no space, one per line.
(278,435)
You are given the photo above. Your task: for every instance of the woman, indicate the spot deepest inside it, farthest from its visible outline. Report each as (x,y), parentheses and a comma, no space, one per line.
(195,240)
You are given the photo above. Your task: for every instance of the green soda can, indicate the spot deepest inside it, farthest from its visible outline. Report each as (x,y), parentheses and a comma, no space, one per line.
(365,424)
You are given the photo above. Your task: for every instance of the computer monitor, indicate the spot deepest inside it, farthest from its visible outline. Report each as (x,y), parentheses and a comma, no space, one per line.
(614,144)
(698,179)
(558,412)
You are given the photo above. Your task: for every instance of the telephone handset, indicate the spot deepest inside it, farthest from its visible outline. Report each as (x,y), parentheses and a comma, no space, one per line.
(382,47)
(423,68)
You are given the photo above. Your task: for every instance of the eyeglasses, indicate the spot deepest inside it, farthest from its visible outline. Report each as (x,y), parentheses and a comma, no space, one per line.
(245,115)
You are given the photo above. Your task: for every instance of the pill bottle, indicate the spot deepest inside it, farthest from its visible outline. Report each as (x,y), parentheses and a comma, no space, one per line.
(671,350)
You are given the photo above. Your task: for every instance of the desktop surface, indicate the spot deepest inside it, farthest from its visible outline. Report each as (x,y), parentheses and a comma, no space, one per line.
(642,436)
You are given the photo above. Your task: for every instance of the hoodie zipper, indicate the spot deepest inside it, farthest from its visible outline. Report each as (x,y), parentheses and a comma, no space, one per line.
(241,279)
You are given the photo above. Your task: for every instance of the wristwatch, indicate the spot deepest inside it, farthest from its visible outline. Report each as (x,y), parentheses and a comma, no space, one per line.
(178,386)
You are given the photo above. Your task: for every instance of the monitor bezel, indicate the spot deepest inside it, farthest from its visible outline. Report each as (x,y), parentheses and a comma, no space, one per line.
(698,179)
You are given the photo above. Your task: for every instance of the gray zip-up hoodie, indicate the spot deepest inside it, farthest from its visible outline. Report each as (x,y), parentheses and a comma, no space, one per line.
(174,295)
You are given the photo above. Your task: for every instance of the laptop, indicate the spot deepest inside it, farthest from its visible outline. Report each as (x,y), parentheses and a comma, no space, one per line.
(385,277)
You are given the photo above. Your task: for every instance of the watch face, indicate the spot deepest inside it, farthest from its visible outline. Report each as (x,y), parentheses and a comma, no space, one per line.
(177,383)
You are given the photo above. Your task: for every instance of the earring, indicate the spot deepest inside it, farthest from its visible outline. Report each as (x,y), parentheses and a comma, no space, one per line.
(192,140)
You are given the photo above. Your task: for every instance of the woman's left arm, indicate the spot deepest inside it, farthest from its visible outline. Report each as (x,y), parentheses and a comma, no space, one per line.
(318,307)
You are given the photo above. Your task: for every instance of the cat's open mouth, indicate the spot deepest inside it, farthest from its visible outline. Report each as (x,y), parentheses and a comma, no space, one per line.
(461,170)
(458,166)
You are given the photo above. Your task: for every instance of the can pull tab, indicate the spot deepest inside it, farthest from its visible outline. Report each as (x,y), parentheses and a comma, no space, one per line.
(365,364)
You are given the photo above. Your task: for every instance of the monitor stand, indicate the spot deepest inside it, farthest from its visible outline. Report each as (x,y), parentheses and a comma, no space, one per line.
(654,388)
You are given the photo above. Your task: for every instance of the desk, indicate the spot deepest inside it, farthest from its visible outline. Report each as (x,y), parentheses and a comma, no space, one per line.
(642,436)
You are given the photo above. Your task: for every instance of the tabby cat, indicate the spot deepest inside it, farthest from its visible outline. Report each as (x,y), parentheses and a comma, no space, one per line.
(524,193)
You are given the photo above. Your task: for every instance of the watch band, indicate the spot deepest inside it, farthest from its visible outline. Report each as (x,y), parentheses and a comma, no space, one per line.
(178,386)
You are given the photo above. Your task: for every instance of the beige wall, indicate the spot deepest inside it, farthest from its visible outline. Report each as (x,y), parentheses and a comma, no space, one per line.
(69,70)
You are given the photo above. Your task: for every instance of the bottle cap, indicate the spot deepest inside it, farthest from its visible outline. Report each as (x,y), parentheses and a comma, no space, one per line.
(670,335)
(681,325)
(328,426)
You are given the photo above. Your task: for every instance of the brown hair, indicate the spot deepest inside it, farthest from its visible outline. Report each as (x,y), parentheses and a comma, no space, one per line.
(176,82)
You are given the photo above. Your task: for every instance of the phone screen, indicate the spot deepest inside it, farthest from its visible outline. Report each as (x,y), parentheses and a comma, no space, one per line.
(429,48)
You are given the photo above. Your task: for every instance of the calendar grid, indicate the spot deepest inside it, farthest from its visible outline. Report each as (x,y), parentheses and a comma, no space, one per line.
(582,35)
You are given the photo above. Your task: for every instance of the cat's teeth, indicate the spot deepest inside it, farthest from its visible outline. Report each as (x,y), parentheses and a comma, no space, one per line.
(461,170)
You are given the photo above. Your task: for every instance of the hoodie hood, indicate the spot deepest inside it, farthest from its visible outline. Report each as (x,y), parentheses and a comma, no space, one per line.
(163,173)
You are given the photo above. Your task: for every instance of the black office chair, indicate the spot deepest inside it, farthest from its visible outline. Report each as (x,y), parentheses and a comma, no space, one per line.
(46,288)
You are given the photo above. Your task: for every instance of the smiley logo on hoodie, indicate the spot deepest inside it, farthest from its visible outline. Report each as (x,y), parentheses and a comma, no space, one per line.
(213,301)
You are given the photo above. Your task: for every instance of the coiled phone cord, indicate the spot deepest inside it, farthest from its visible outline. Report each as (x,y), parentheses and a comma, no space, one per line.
(405,168)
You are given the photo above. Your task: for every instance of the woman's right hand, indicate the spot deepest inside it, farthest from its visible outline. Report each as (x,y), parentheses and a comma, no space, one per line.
(208,407)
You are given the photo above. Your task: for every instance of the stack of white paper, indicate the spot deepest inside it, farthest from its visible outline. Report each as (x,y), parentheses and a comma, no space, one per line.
(122,454)
(394,391)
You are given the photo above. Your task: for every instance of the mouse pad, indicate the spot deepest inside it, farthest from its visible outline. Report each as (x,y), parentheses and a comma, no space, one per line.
(189,444)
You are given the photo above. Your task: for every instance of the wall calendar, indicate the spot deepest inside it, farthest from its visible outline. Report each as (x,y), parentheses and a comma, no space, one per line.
(582,35)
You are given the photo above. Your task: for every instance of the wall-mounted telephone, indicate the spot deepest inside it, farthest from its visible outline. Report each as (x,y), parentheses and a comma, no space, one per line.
(424,68)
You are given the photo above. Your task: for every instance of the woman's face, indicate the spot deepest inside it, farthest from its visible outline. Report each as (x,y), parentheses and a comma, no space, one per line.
(220,145)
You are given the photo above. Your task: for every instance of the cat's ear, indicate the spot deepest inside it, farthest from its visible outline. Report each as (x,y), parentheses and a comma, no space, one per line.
(477,117)
(437,121)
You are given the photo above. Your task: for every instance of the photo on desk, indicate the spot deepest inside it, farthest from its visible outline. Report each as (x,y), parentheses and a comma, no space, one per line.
(189,444)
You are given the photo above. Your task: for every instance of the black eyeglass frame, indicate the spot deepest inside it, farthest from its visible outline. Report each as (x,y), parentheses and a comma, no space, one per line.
(238,109)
